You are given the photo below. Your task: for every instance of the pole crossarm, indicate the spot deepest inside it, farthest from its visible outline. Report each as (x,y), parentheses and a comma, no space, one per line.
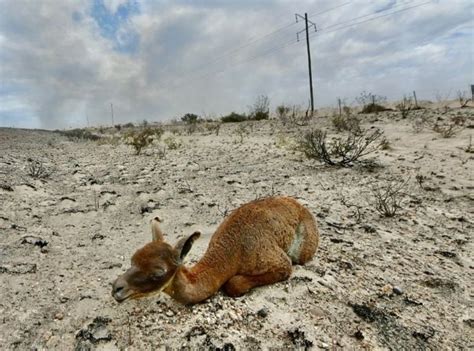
(310,23)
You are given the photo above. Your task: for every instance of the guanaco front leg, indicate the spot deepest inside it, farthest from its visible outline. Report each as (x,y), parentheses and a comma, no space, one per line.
(276,270)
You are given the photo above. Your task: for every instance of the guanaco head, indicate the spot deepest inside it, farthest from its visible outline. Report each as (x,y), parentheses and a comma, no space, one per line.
(153,267)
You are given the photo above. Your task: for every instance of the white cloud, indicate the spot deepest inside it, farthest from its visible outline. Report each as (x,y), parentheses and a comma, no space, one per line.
(59,67)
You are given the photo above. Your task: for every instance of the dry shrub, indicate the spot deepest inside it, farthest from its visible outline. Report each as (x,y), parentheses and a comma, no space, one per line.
(79,134)
(342,152)
(463,99)
(447,130)
(405,106)
(346,123)
(214,127)
(172,143)
(143,138)
(294,116)
(388,198)
(242,131)
(37,170)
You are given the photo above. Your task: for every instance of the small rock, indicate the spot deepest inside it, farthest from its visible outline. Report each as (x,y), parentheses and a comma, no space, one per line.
(397,290)
(169,313)
(95,332)
(299,339)
(359,335)
(263,312)
(59,316)
(33,240)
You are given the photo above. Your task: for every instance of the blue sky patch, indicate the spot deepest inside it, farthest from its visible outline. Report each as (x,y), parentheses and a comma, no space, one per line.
(113,25)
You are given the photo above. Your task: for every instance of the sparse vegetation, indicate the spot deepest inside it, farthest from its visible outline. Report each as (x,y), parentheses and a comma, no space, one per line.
(283,113)
(296,117)
(405,106)
(143,138)
(241,131)
(342,152)
(385,144)
(420,122)
(214,127)
(190,118)
(260,109)
(172,143)
(37,170)
(346,123)
(389,197)
(371,103)
(78,134)
(462,98)
(469,148)
(234,117)
(447,130)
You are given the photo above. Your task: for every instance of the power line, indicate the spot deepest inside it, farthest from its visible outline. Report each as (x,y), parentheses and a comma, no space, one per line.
(284,45)
(325,30)
(329,10)
(260,38)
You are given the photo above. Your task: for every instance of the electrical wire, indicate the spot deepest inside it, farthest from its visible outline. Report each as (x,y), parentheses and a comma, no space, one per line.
(286,44)
(325,29)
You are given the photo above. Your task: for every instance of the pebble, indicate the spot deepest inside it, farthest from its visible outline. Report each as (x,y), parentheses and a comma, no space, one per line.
(169,313)
(397,290)
(263,312)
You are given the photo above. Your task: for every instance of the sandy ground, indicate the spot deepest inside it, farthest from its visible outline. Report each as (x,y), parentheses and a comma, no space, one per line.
(401,283)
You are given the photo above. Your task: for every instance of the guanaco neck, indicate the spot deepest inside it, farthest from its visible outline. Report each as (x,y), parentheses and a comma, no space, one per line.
(197,283)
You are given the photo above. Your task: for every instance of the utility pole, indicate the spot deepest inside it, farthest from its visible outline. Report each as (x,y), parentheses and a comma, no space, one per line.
(305,18)
(416,100)
(112,112)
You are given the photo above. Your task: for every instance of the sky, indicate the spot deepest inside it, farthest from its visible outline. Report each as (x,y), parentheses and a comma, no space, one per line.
(64,62)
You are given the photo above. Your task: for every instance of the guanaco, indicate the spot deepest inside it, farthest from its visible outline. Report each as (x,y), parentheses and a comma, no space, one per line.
(254,246)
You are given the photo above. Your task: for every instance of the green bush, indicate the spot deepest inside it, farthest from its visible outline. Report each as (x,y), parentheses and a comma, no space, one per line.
(78,134)
(260,110)
(371,103)
(190,118)
(374,108)
(234,117)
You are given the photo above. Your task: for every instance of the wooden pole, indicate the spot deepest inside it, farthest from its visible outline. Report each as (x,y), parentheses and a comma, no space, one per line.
(112,113)
(309,63)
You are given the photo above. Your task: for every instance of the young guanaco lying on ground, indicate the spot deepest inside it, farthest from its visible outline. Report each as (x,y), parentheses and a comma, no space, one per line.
(255,245)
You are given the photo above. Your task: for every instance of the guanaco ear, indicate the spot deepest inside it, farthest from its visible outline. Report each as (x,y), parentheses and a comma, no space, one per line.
(157,234)
(184,245)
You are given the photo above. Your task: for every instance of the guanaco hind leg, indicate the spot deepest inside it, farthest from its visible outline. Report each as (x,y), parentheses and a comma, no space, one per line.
(276,271)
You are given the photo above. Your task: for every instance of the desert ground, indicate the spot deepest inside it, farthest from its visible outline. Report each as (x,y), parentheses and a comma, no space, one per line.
(376,282)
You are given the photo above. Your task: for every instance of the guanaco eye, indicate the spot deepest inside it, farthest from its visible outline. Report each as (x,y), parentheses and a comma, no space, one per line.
(158,274)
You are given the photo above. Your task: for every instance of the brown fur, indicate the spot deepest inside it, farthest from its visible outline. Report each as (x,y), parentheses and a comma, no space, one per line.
(250,248)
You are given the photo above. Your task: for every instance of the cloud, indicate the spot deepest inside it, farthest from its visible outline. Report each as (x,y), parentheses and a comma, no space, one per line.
(155,60)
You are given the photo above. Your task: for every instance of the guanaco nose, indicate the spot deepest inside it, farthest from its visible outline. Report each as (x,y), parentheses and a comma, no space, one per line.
(119,289)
